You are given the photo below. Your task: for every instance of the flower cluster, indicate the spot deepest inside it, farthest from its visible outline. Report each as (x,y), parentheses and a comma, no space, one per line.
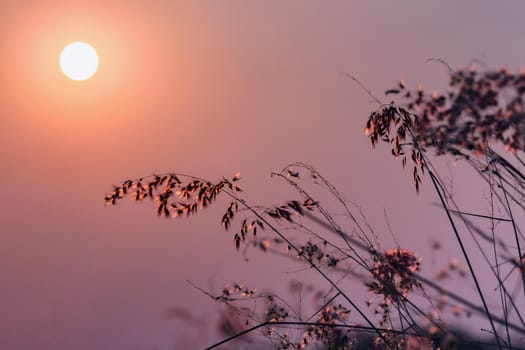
(479,108)
(394,274)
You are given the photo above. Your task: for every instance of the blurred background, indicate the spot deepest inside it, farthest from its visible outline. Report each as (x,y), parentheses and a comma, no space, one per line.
(210,89)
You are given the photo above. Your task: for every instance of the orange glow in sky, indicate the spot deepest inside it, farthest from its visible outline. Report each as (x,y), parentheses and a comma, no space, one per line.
(201,87)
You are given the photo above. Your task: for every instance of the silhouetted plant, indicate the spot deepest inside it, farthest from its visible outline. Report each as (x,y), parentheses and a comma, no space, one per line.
(479,114)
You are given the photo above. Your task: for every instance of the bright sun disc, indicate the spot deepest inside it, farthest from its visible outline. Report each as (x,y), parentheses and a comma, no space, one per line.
(79,61)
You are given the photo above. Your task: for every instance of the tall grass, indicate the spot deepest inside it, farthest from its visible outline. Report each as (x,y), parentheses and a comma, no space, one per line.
(479,120)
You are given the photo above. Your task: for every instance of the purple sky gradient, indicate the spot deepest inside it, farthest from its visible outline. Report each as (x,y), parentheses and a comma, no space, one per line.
(207,88)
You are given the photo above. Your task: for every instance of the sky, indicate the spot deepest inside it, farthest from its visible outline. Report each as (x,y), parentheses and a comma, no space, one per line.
(207,88)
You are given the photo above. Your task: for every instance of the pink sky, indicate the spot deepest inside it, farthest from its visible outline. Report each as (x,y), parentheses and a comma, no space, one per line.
(205,88)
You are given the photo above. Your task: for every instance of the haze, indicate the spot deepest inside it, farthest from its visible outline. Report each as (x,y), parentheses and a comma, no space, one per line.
(207,88)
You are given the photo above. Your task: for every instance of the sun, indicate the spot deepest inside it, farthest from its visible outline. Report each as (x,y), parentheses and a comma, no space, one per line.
(79,61)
